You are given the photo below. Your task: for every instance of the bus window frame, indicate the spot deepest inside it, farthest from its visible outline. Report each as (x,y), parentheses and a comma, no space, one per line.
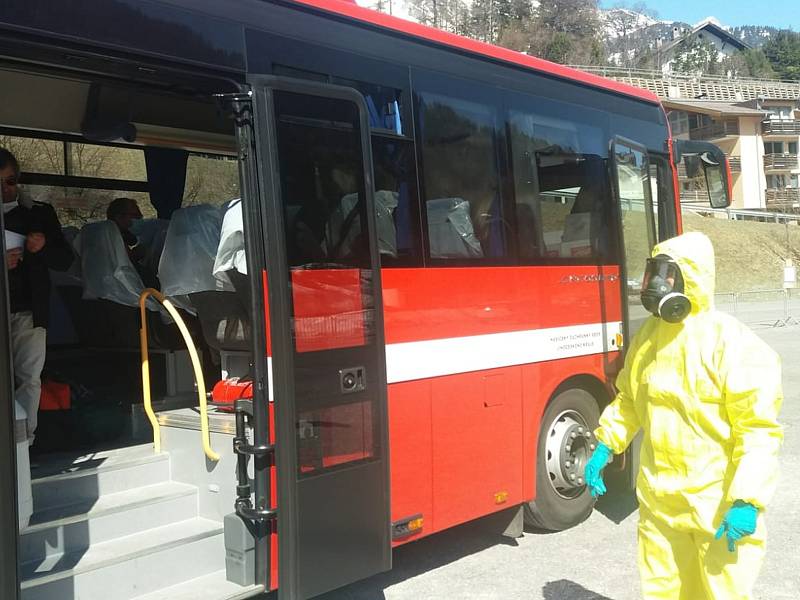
(667,214)
(515,100)
(334,64)
(456,87)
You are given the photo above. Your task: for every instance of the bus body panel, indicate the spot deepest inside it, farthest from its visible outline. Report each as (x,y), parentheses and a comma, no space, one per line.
(464,446)
(463,443)
(437,303)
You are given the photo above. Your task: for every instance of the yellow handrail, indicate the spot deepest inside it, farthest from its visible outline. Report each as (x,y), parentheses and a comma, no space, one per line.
(198,371)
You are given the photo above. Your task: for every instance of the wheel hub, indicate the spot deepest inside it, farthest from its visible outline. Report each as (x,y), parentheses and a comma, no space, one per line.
(569,445)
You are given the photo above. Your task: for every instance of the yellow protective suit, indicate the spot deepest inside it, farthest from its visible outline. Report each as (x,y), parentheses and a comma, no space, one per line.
(706,394)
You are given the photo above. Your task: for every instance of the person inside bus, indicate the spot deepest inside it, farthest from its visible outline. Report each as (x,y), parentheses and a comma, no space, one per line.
(706,393)
(34,244)
(123,212)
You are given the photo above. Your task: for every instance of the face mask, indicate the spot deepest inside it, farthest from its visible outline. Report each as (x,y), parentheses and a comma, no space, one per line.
(662,290)
(9,206)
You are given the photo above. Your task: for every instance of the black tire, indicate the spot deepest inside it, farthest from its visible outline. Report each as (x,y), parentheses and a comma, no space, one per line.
(562,501)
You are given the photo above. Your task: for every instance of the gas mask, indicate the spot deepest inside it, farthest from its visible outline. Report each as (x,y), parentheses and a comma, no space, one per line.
(662,290)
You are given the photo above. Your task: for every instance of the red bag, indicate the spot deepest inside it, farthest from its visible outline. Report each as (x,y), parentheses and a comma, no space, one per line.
(55,396)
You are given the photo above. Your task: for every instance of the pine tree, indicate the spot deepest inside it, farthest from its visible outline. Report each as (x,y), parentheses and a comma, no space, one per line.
(783,53)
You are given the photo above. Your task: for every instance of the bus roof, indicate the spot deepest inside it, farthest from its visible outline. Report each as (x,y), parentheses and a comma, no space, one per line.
(349,9)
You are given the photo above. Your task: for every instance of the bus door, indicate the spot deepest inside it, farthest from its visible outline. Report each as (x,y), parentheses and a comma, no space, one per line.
(637,227)
(326,333)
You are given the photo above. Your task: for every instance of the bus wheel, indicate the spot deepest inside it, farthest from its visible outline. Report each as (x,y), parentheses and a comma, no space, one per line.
(565,444)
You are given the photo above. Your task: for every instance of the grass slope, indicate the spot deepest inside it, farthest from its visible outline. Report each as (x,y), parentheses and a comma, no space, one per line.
(750,255)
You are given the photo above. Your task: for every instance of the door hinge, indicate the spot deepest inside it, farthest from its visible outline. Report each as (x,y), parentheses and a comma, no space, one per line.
(239,105)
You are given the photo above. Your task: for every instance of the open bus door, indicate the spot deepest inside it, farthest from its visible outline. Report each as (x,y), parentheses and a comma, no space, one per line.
(326,334)
(9,525)
(637,236)
(637,226)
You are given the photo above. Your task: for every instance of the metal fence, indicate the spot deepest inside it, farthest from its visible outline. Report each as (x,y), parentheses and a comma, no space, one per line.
(763,308)
(734,214)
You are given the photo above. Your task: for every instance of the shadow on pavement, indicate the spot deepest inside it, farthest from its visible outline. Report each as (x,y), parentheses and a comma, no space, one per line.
(569,590)
(617,505)
(420,557)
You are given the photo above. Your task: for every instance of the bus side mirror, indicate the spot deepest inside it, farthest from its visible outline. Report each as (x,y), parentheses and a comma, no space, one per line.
(706,169)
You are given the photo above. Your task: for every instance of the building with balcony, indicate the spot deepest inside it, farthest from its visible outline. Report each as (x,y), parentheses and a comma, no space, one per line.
(756,121)
(737,130)
(780,131)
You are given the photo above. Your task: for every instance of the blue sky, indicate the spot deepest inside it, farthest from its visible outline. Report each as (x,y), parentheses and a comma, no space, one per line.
(780,13)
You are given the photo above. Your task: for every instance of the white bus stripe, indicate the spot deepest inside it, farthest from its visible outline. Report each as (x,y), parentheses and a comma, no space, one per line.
(409,361)
(434,358)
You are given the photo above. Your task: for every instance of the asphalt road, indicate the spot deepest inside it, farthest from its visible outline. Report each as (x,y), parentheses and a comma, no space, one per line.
(597,559)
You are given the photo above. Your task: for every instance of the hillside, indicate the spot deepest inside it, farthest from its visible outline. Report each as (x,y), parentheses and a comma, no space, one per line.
(750,255)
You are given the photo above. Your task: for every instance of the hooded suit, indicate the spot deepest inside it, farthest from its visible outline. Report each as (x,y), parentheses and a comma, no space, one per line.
(706,393)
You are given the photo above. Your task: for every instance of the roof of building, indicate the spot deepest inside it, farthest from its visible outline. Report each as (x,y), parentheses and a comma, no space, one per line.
(350,10)
(714,29)
(714,108)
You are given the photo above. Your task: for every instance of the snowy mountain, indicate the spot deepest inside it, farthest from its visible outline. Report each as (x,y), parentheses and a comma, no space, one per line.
(617,20)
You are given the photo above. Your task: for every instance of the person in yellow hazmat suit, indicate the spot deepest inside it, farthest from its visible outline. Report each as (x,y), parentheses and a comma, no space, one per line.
(705,392)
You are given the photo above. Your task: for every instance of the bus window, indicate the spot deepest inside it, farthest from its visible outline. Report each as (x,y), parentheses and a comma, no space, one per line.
(662,190)
(396,208)
(384,104)
(211,179)
(463,200)
(321,175)
(633,185)
(561,188)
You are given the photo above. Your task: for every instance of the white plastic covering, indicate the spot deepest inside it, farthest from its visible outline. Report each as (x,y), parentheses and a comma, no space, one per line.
(385,203)
(107,270)
(230,252)
(190,250)
(450,229)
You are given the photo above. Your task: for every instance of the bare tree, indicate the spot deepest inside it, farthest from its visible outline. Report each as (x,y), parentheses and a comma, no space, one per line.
(623,21)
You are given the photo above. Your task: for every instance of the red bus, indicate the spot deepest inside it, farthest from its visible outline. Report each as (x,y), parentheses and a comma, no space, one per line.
(407,264)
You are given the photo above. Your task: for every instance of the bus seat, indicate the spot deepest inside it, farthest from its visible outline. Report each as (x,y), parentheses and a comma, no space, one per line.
(343,229)
(108,272)
(111,289)
(450,229)
(186,269)
(190,249)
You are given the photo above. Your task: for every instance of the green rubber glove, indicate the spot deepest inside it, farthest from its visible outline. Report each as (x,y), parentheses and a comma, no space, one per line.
(593,473)
(739,521)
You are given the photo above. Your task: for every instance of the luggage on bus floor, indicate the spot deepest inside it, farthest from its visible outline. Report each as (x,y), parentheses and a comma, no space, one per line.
(71,416)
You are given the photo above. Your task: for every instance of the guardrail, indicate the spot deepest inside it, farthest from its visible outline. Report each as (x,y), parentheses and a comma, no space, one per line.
(615,71)
(772,308)
(736,214)
(690,87)
(780,127)
(198,372)
(715,131)
(783,162)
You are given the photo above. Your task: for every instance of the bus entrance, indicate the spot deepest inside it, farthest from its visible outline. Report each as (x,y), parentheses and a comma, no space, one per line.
(326,335)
